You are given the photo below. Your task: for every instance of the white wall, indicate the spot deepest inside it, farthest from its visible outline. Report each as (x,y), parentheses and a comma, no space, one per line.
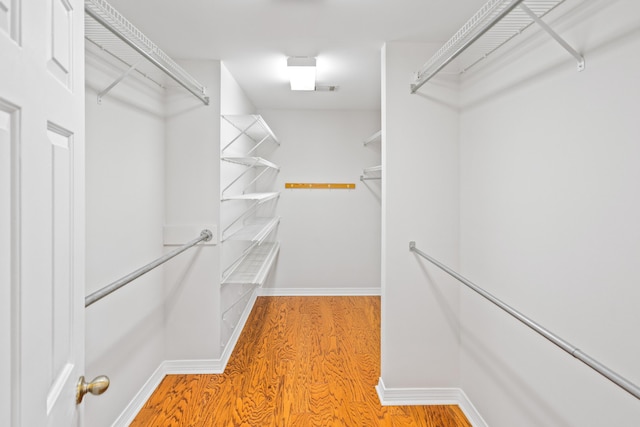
(550,207)
(192,186)
(330,239)
(124,219)
(420,330)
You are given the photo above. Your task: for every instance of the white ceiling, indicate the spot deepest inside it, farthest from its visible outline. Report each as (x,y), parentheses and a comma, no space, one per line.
(254,37)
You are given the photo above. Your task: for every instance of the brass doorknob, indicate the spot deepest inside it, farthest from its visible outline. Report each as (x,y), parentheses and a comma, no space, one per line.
(96,387)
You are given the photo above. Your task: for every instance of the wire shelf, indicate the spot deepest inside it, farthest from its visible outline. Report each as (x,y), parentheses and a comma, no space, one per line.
(372,169)
(255,266)
(258,197)
(371,173)
(251,162)
(375,137)
(497,22)
(255,231)
(251,125)
(109,30)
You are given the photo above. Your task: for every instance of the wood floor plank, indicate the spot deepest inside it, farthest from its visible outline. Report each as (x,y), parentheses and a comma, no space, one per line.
(300,361)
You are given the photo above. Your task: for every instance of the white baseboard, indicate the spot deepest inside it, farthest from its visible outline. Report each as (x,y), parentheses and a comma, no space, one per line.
(294,292)
(233,339)
(169,367)
(128,415)
(195,366)
(430,396)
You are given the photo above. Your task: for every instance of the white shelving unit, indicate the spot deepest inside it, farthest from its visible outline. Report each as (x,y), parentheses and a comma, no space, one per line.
(255,230)
(249,231)
(373,138)
(257,197)
(496,23)
(374,172)
(253,127)
(254,266)
(113,34)
(251,163)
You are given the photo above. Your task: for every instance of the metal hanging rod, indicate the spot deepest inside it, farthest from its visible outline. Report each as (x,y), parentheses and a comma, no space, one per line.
(205,236)
(564,345)
(117,25)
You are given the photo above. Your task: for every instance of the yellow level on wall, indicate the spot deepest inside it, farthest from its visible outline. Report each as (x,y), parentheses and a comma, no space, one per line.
(320,186)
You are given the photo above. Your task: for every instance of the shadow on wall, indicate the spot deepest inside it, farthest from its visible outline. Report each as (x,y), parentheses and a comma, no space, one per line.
(450,315)
(507,379)
(450,85)
(374,189)
(510,54)
(176,288)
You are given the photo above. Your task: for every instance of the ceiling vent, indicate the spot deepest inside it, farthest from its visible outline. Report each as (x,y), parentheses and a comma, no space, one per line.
(327,88)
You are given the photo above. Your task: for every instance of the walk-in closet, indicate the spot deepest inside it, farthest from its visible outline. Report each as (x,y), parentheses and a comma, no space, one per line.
(437,227)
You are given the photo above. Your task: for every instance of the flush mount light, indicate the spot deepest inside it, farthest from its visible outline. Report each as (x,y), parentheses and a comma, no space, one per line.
(302,72)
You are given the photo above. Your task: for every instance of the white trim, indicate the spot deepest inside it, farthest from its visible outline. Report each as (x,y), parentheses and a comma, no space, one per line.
(470,411)
(429,396)
(129,413)
(172,367)
(167,367)
(233,339)
(289,292)
(196,366)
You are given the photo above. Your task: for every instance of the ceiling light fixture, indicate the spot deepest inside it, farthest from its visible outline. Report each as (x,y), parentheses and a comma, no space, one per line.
(302,72)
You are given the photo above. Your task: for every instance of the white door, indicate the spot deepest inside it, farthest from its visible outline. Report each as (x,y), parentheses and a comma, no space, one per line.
(41,211)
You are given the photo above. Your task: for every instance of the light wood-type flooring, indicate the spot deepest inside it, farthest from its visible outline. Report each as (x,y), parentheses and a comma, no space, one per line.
(300,361)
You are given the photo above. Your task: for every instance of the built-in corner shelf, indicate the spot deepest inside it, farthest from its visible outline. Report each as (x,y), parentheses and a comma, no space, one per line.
(112,33)
(254,266)
(252,126)
(373,138)
(496,23)
(374,172)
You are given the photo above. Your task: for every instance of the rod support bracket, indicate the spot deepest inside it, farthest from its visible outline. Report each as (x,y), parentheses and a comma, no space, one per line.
(577,55)
(207,234)
(412,246)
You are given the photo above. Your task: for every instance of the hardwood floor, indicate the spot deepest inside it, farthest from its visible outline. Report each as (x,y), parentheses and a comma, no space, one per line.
(300,361)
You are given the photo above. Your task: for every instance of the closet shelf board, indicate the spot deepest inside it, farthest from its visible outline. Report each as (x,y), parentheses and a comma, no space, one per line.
(251,161)
(256,230)
(372,169)
(106,28)
(497,22)
(259,197)
(253,269)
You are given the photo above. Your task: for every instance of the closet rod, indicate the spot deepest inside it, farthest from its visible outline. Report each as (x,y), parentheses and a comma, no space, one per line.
(205,236)
(614,377)
(104,13)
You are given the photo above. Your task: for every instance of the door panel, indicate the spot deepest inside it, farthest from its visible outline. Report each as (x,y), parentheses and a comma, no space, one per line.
(42,118)
(9,23)
(60,40)
(61,295)
(9,303)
